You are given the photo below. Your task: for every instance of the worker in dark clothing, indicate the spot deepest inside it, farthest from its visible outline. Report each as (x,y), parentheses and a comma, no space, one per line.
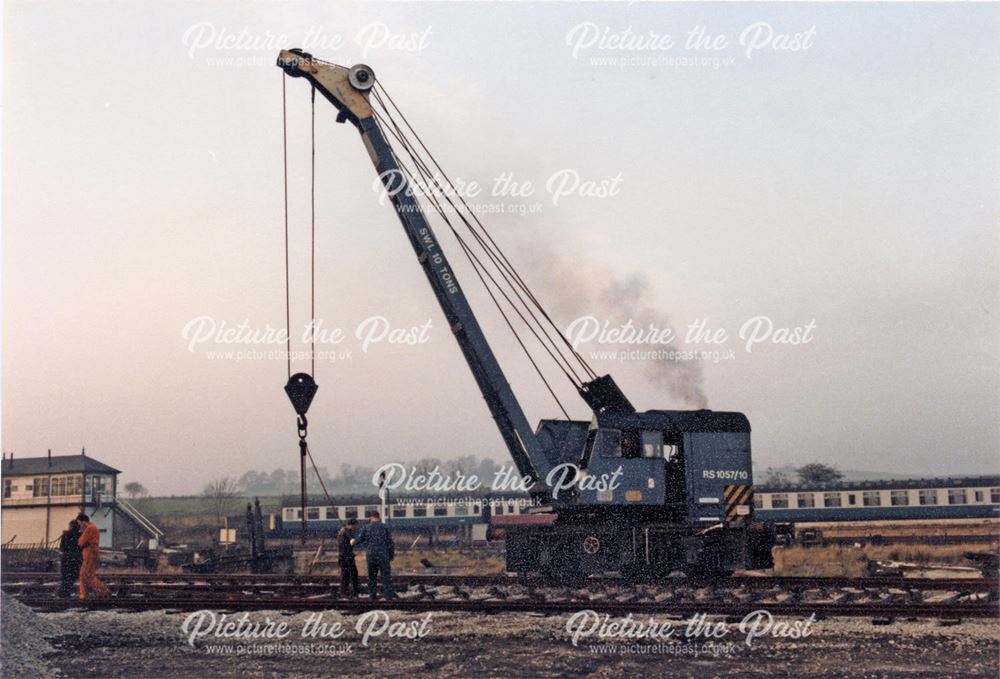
(71,558)
(379,552)
(345,557)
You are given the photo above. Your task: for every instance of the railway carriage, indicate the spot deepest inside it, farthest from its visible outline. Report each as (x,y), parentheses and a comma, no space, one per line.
(400,513)
(909,499)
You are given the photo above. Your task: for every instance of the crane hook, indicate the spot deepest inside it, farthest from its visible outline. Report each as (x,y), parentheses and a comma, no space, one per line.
(301,388)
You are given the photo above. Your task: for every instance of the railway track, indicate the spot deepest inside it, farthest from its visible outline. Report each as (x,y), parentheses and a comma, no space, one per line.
(402,578)
(878,597)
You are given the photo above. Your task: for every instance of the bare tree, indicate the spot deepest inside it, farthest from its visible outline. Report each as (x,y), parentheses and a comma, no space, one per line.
(137,494)
(775,479)
(135,490)
(220,495)
(815,474)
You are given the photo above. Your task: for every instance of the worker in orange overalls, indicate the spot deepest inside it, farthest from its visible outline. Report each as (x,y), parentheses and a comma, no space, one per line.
(90,543)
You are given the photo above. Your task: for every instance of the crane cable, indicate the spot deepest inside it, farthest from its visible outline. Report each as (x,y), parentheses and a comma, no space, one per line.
(301,387)
(312,231)
(425,173)
(492,250)
(284,146)
(495,255)
(379,88)
(480,271)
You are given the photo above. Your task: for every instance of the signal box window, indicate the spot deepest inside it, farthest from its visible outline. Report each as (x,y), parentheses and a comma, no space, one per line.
(899,498)
(956,496)
(871,498)
(41,488)
(831,499)
(928,497)
(6,487)
(779,501)
(806,500)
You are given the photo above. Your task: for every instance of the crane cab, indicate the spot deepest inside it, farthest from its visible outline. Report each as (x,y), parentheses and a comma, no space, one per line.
(682,497)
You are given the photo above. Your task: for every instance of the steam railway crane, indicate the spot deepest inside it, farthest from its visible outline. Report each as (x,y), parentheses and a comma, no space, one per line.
(638,493)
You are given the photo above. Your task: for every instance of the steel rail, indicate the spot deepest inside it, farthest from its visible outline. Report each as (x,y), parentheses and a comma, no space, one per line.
(905,610)
(237,580)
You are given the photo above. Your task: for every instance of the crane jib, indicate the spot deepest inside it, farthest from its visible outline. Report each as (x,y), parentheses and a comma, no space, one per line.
(506,410)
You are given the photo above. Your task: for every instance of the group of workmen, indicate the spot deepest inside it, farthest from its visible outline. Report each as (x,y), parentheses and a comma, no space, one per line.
(80,546)
(376,539)
(81,552)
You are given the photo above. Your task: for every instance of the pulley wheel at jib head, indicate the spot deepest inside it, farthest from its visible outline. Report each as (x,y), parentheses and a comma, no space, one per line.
(361,77)
(301,388)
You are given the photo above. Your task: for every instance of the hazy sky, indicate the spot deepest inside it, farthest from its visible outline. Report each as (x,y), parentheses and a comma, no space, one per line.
(851,184)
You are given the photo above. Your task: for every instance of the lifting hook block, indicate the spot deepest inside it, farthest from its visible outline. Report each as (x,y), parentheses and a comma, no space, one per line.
(300,389)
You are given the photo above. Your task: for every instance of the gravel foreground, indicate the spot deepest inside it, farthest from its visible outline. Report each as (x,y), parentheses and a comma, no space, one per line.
(154,644)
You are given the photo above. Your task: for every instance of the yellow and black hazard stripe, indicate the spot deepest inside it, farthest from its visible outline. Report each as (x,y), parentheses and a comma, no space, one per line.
(736,497)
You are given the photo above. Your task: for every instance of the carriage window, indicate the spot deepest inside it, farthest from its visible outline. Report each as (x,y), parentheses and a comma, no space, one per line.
(312,513)
(498,509)
(652,444)
(399,512)
(995,495)
(980,496)
(957,496)
(6,487)
(831,499)
(350,512)
(899,498)
(779,501)
(852,499)
(420,511)
(370,511)
(928,497)
(440,510)
(461,510)
(871,498)
(331,513)
(806,500)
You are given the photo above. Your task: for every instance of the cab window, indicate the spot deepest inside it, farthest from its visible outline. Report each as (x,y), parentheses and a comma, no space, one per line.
(608,443)
(652,444)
